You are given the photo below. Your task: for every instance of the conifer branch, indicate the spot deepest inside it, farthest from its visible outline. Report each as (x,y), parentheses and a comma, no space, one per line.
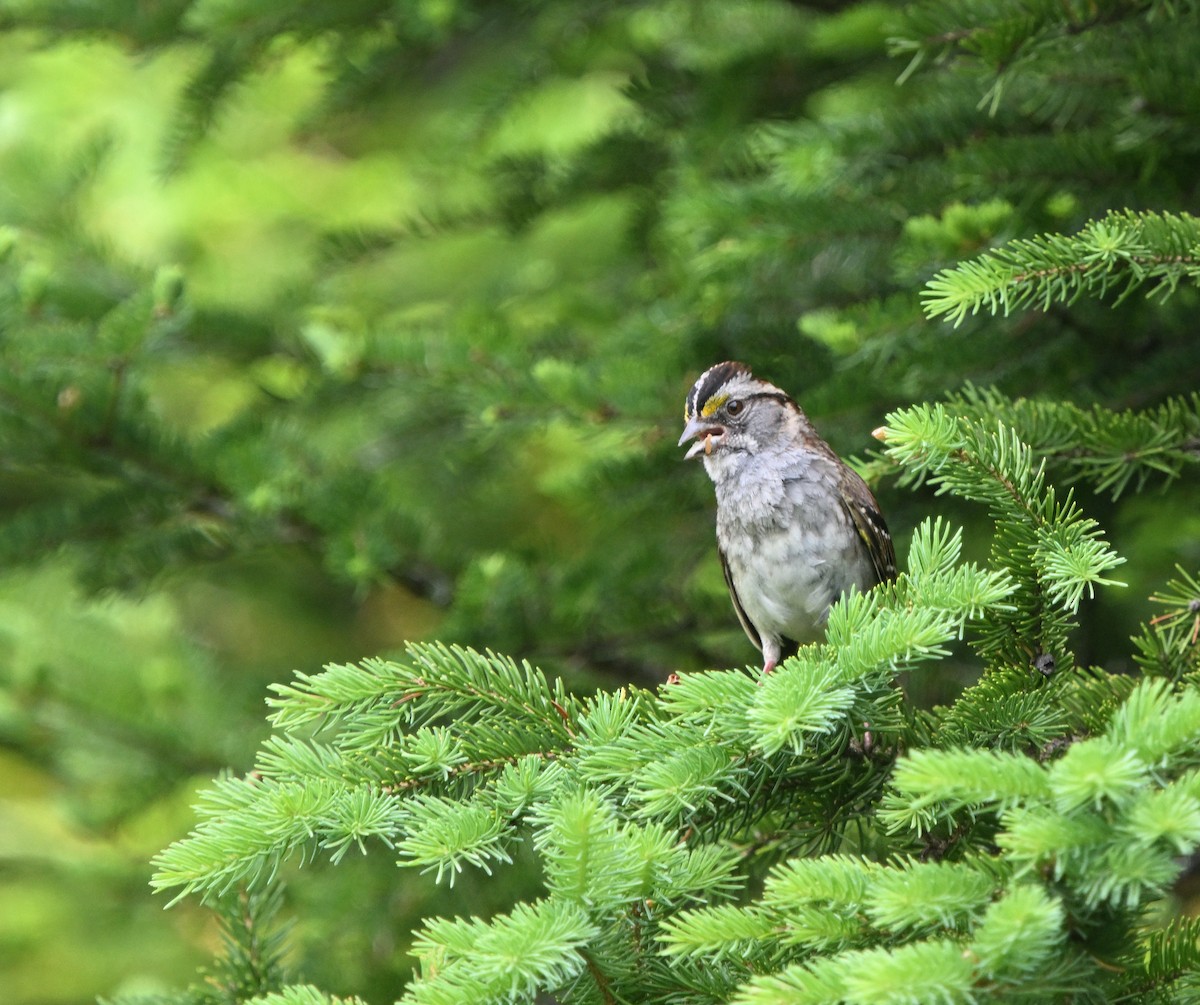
(509,958)
(1006,31)
(1055,553)
(1164,957)
(649,807)
(622,816)
(251,963)
(302,994)
(602,982)
(1169,643)
(1122,251)
(1110,450)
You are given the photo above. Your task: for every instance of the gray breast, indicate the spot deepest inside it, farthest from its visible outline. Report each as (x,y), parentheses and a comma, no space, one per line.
(790,546)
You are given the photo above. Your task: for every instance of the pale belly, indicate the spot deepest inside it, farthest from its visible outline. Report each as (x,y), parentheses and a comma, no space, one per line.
(786,590)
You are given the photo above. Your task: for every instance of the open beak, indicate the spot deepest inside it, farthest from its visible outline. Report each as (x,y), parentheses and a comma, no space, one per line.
(705,434)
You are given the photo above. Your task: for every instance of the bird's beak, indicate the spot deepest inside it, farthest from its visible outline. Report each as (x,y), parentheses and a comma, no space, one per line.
(705,434)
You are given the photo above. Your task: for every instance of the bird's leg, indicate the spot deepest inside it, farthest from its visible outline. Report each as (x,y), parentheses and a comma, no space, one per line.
(772,652)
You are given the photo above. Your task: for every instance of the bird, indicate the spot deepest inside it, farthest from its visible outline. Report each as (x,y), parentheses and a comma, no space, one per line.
(796,526)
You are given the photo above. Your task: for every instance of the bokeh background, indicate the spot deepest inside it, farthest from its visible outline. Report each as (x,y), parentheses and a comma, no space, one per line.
(328,326)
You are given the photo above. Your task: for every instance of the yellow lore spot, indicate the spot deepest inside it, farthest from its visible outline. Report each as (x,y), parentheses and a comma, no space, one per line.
(713,403)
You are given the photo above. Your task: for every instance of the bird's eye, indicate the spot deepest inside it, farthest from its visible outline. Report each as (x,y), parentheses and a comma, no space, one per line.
(735,407)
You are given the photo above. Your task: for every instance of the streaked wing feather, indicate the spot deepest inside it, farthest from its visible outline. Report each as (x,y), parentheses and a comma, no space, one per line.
(863,510)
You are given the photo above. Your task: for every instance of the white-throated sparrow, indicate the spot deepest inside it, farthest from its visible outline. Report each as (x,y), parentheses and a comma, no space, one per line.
(796,527)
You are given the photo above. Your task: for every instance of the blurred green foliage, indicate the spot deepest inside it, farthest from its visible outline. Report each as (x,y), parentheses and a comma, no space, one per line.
(327,326)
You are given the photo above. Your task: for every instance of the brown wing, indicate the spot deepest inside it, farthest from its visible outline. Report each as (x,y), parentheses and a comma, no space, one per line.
(863,511)
(750,630)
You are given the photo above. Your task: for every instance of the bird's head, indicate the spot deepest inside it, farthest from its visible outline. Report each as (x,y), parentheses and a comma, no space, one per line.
(728,409)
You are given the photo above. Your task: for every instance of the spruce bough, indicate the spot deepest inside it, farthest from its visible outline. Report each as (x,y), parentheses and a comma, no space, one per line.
(806,837)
